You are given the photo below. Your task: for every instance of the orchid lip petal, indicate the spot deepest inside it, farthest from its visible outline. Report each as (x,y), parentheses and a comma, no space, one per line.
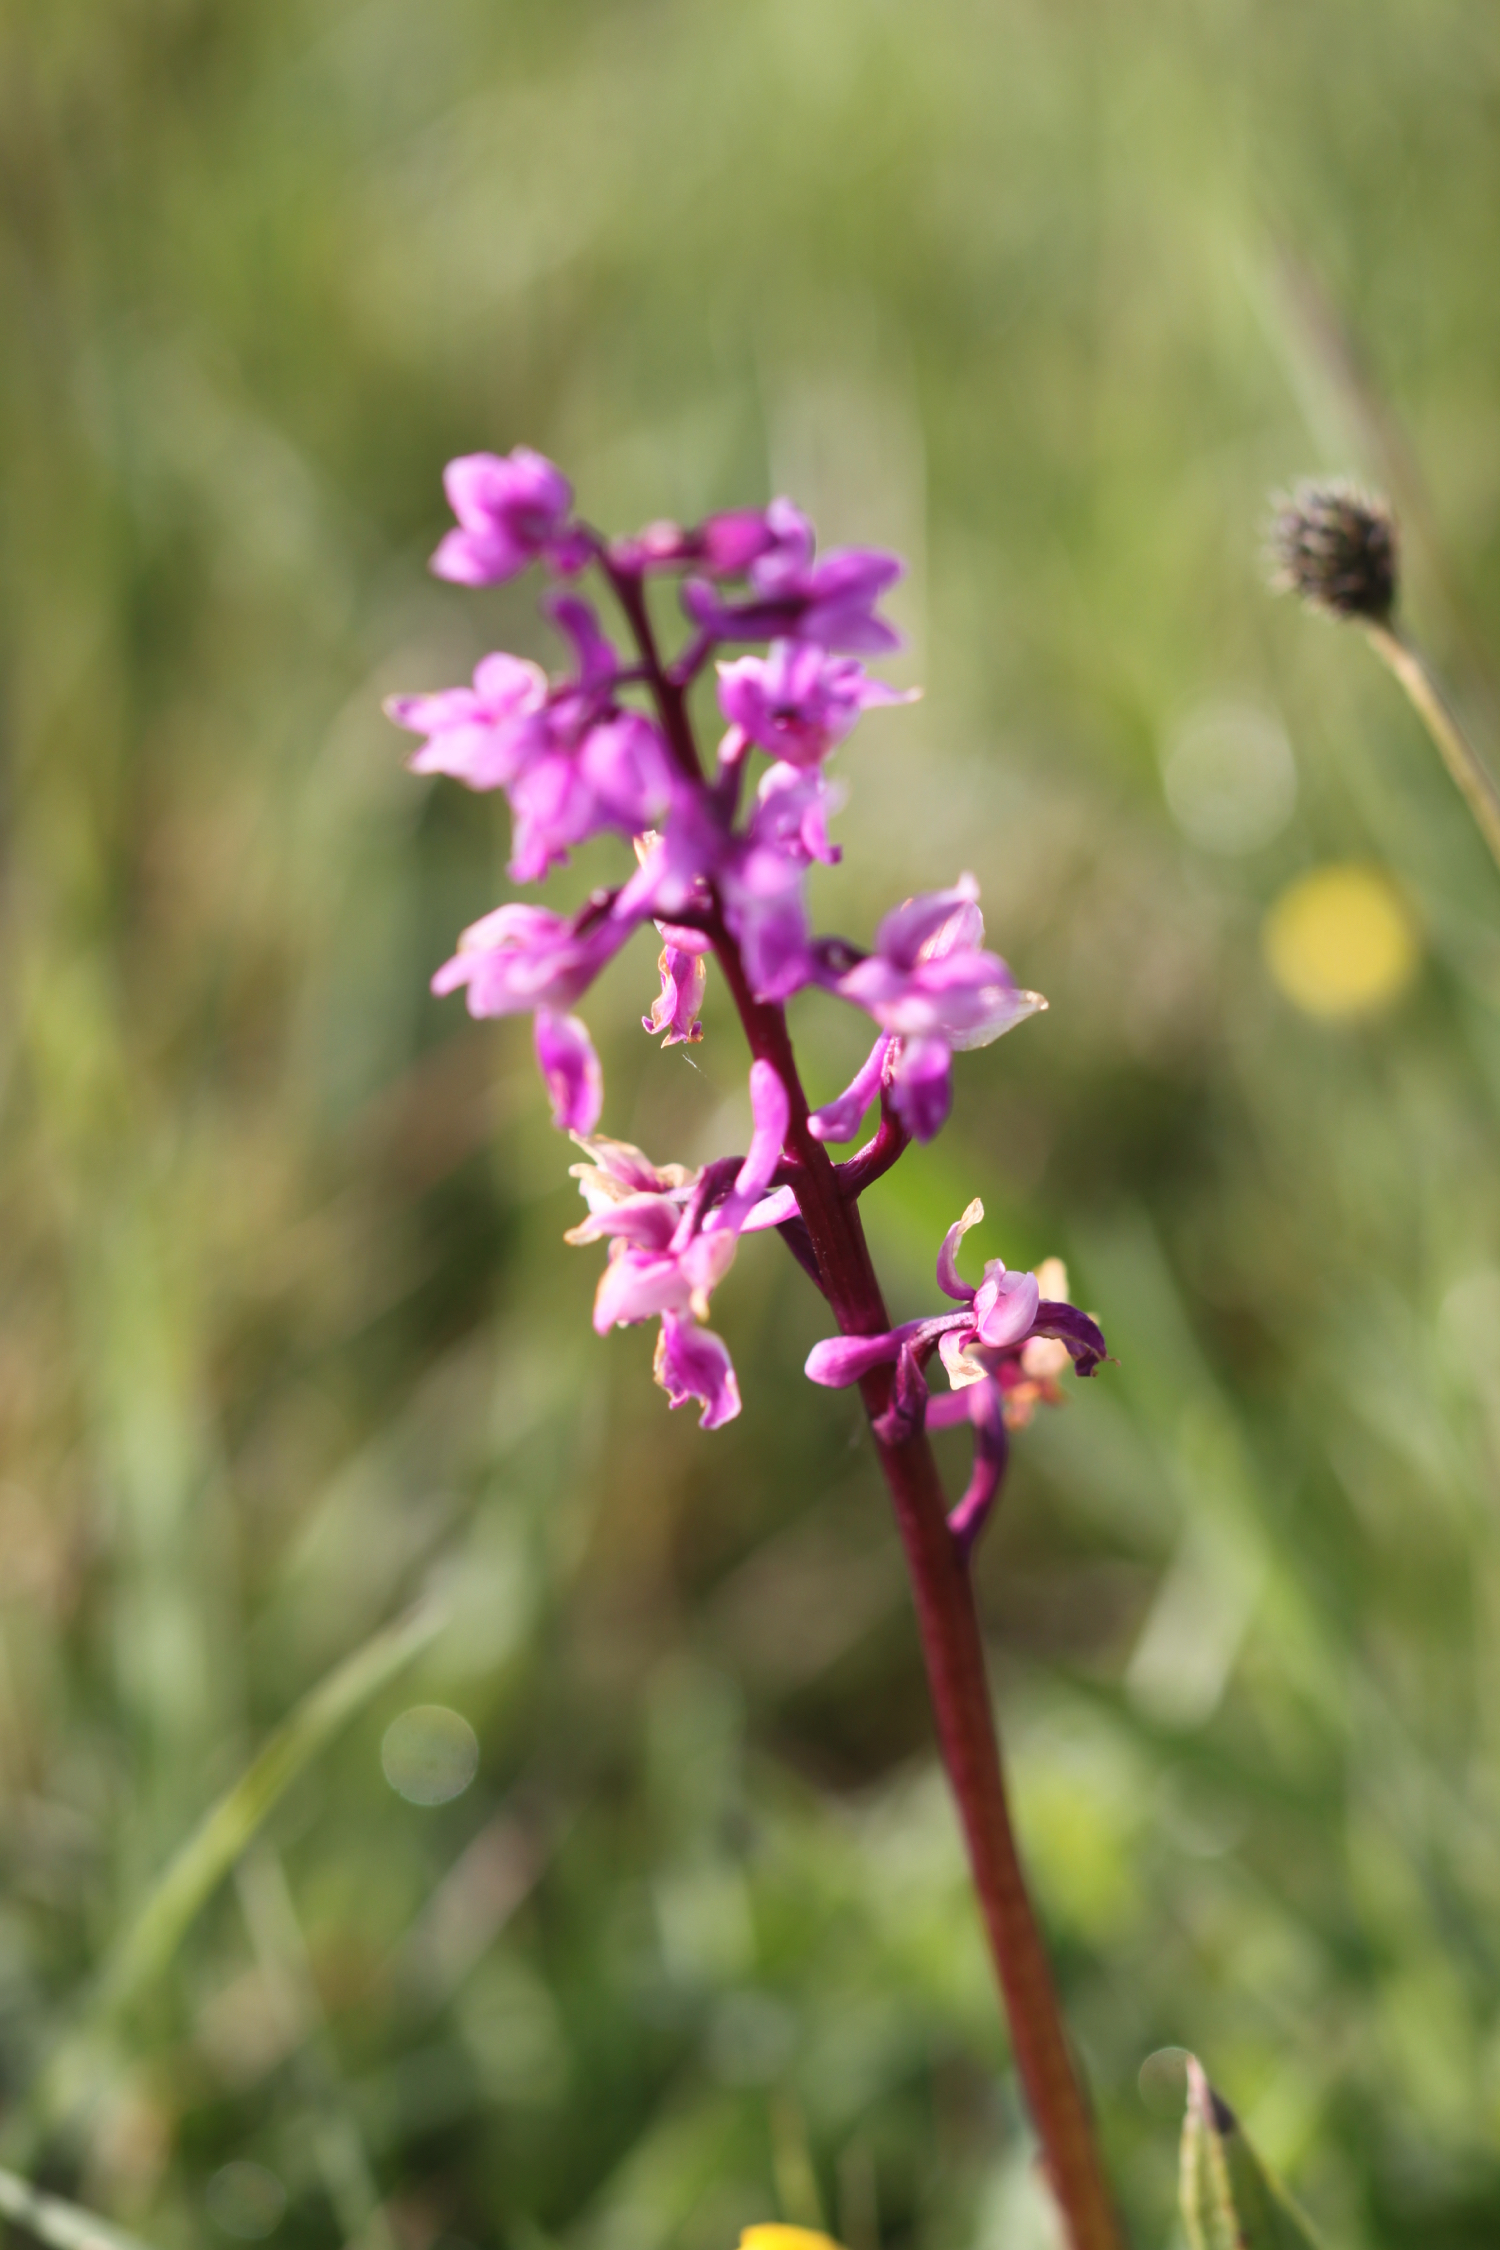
(570,1070)
(950,1280)
(772,1211)
(1017,1005)
(1005,1306)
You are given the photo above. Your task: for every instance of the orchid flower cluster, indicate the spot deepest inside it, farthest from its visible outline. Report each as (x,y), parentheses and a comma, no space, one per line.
(721,870)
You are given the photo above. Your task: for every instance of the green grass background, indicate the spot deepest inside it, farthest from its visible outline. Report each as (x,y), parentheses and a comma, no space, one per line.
(1049,296)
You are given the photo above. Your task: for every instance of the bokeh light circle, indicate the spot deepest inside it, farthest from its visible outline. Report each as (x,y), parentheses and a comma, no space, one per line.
(1229,777)
(430,1754)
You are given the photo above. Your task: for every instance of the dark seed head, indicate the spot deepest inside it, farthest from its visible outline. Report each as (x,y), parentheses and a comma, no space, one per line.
(1336,547)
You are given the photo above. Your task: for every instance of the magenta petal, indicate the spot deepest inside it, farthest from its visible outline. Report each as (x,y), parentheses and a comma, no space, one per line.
(773,1210)
(626,763)
(921,1090)
(637,1284)
(684,978)
(467,558)
(520,488)
(838,1120)
(430,714)
(773,935)
(771,1112)
(1005,1306)
(1083,1337)
(508,684)
(693,1363)
(731,542)
(594,652)
(570,1070)
(933,918)
(841,1360)
(950,1280)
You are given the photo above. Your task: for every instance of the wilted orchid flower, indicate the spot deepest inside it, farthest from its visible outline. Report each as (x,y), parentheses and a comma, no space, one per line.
(1004,1344)
(684,979)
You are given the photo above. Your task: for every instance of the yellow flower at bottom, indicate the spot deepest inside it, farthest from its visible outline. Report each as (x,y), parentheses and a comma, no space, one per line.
(771,2235)
(1341,941)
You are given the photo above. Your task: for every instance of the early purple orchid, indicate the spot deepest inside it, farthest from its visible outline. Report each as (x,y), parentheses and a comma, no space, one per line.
(931,983)
(521,957)
(797,702)
(830,602)
(722,872)
(481,735)
(578,756)
(570,758)
(510,511)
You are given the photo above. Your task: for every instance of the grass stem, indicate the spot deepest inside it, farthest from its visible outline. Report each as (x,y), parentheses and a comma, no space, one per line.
(1459,754)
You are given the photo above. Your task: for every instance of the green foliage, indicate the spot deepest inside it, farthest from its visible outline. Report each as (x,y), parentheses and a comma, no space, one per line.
(1052,297)
(1229,2200)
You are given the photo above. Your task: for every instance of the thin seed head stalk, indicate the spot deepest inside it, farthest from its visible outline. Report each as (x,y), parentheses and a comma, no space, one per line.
(720,870)
(1339,549)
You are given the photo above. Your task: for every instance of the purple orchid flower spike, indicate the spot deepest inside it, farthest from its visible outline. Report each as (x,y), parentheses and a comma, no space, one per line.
(512,509)
(611,748)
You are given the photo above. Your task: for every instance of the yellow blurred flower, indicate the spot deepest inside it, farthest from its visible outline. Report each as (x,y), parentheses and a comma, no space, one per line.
(1341,942)
(773,2236)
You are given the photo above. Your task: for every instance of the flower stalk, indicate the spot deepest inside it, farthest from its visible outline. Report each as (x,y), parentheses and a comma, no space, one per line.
(1466,767)
(937,1564)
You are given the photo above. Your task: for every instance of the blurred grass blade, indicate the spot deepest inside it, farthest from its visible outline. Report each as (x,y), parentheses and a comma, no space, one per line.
(64,2226)
(225,1830)
(1229,2200)
(83,2059)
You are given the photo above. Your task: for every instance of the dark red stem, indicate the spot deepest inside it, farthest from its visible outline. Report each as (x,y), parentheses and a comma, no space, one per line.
(953,1650)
